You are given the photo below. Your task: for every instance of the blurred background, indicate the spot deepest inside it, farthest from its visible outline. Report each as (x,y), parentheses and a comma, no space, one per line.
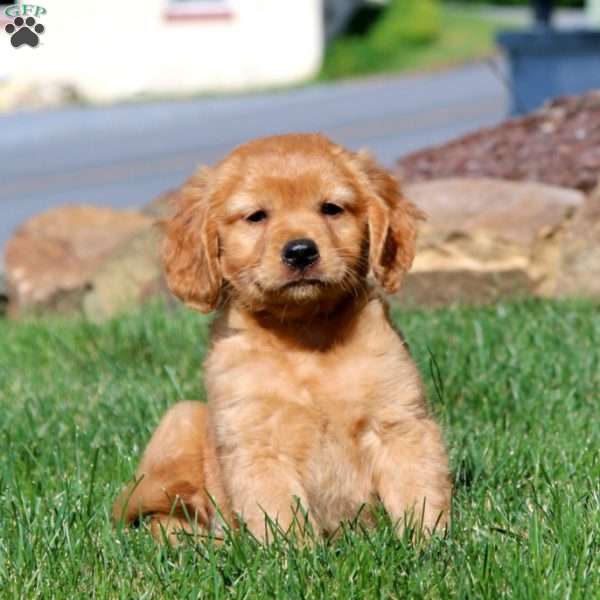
(112,105)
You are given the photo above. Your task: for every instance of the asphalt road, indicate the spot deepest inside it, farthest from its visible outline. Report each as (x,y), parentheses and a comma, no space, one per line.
(124,156)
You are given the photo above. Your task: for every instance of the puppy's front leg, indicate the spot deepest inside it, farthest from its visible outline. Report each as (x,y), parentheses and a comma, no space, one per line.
(262,487)
(411,475)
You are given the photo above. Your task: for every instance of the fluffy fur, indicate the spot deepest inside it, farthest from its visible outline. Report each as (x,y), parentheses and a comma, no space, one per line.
(312,395)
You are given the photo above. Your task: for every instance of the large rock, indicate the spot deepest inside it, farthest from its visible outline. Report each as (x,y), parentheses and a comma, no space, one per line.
(128,277)
(486,239)
(51,259)
(578,265)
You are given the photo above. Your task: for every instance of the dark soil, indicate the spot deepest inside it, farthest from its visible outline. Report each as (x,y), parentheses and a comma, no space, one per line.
(558,144)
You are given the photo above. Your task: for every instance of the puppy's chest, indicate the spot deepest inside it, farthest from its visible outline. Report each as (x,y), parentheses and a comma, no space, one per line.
(344,393)
(323,416)
(322,413)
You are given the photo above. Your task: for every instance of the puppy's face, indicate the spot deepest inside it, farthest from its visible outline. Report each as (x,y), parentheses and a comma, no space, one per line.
(291,227)
(290,220)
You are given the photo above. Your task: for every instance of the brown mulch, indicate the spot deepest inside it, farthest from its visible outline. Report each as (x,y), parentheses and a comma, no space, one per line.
(558,144)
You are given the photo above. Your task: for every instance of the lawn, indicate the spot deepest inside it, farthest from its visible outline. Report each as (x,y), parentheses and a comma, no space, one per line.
(515,386)
(460,34)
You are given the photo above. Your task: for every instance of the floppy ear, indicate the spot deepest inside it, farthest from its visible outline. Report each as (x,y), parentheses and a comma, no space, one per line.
(393,223)
(191,247)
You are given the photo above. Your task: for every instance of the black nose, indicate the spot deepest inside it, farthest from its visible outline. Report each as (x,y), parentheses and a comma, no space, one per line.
(300,254)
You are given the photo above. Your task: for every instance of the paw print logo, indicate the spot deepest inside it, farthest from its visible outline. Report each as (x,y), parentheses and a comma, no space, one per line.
(24,31)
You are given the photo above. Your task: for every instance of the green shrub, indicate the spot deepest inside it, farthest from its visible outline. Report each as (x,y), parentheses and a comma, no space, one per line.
(407,22)
(401,25)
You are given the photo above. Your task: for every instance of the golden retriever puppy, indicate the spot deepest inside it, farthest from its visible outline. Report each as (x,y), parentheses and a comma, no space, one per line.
(313,398)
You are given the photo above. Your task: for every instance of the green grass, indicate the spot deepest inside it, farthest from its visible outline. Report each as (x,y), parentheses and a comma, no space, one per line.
(462,35)
(516,389)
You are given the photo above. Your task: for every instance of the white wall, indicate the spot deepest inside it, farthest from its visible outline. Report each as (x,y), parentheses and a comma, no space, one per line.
(114,50)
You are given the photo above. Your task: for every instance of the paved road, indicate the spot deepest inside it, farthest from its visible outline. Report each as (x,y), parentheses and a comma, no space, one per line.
(125,155)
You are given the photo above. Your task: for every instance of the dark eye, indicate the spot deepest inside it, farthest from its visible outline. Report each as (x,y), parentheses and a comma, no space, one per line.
(257,216)
(330,209)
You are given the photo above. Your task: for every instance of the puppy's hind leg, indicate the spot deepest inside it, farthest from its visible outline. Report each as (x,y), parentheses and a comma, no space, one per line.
(178,482)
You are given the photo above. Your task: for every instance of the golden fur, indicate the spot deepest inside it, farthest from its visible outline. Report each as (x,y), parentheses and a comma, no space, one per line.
(312,395)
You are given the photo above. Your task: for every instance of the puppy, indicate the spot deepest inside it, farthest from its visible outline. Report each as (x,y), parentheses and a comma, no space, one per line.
(315,407)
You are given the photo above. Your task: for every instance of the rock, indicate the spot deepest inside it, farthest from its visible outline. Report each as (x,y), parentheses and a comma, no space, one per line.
(52,257)
(558,145)
(578,269)
(161,207)
(129,276)
(486,239)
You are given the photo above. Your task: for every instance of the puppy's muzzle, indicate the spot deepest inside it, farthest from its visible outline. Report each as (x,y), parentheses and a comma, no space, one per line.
(300,254)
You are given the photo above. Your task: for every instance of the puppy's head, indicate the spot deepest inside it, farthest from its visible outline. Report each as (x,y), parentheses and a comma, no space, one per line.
(286,220)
